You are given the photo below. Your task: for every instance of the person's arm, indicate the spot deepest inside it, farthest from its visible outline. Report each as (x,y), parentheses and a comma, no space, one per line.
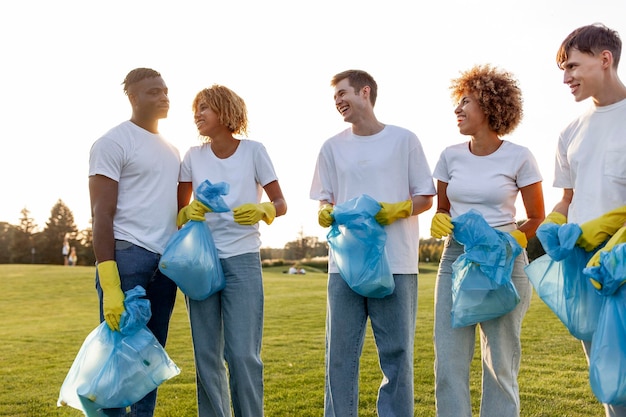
(103,195)
(185,190)
(275,194)
(532,196)
(421,203)
(441,224)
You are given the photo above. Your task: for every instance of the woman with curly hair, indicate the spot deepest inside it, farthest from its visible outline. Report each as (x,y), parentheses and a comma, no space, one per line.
(486,174)
(228,326)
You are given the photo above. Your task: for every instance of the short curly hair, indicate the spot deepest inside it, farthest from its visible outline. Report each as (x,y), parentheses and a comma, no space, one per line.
(231,110)
(137,75)
(498,95)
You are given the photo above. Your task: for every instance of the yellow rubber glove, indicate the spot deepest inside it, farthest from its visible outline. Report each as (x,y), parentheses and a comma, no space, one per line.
(618,237)
(112,294)
(441,225)
(325,215)
(600,229)
(193,211)
(390,212)
(520,237)
(251,213)
(556,218)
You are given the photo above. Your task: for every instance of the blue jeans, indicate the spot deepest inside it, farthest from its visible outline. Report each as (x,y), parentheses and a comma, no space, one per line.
(393,325)
(228,326)
(139,266)
(500,347)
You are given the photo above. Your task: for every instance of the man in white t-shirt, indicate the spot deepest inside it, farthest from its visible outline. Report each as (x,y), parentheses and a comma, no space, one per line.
(387,163)
(133,181)
(591,157)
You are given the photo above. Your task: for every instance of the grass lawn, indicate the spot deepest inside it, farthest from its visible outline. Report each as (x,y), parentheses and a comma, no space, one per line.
(47,311)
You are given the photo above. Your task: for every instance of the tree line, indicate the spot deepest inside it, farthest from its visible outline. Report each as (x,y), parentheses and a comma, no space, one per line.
(25,243)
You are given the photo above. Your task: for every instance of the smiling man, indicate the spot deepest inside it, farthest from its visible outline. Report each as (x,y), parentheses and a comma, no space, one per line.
(133,181)
(591,155)
(387,163)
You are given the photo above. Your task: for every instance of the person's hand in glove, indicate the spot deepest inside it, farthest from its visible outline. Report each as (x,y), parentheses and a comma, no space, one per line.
(390,212)
(325,215)
(441,225)
(601,228)
(554,218)
(618,237)
(112,294)
(250,213)
(520,238)
(193,211)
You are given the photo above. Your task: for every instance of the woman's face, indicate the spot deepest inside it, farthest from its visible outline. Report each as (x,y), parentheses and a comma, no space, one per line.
(470,117)
(206,119)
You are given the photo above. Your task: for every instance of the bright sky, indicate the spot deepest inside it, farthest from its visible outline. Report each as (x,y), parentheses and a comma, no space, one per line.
(63,63)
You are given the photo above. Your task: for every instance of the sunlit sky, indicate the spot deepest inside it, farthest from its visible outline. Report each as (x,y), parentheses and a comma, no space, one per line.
(63,63)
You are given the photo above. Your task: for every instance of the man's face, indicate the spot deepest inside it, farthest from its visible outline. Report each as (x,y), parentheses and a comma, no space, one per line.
(583,74)
(149,98)
(348,101)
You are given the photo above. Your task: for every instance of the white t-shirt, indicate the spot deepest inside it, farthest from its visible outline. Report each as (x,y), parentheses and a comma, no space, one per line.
(390,167)
(146,168)
(246,172)
(591,159)
(488,184)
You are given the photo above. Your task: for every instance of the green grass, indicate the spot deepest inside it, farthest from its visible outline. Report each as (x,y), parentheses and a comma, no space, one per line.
(47,311)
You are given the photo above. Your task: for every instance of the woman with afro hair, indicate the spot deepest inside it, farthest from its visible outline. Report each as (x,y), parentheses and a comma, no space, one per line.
(486,174)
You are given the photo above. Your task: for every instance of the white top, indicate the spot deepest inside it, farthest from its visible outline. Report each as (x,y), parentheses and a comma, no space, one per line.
(591,159)
(488,184)
(146,168)
(246,172)
(390,167)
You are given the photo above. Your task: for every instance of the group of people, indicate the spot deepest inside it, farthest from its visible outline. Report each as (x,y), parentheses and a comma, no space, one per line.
(141,192)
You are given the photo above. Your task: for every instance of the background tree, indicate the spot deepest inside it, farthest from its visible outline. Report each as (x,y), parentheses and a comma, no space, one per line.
(22,240)
(6,238)
(59,225)
(305,247)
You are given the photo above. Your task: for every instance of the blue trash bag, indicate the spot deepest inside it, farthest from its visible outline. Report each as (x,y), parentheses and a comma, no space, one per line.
(481,277)
(611,273)
(211,195)
(607,360)
(191,260)
(358,244)
(116,369)
(559,281)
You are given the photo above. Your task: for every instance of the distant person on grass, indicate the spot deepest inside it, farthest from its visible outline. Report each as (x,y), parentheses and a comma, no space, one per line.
(228,326)
(387,163)
(133,178)
(590,162)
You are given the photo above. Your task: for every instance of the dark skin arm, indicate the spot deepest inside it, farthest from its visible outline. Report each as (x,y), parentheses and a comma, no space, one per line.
(103,196)
(532,196)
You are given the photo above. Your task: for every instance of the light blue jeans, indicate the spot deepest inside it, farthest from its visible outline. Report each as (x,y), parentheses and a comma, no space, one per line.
(228,326)
(609,410)
(139,266)
(393,324)
(499,342)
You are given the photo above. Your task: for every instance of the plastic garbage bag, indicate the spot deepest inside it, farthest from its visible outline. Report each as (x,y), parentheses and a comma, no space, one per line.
(190,259)
(358,244)
(481,277)
(116,369)
(211,195)
(559,281)
(607,360)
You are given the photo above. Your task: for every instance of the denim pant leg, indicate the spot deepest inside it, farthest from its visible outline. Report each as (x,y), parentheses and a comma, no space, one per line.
(346,318)
(242,312)
(454,347)
(205,318)
(502,350)
(138,266)
(609,410)
(393,324)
